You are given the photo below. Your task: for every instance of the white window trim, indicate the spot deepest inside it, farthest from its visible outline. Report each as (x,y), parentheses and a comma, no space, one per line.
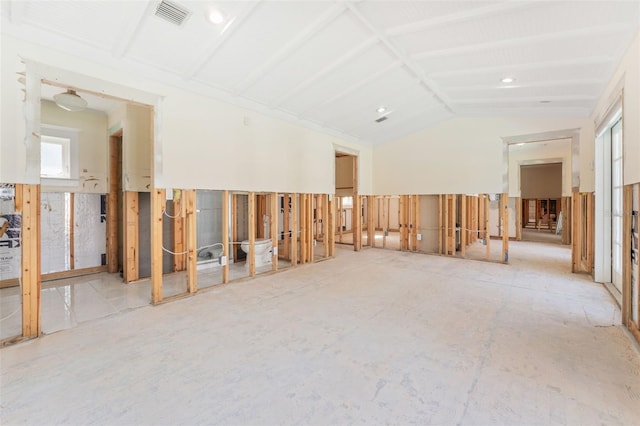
(74,137)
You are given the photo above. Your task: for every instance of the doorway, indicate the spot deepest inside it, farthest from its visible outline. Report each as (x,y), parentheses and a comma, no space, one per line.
(348,229)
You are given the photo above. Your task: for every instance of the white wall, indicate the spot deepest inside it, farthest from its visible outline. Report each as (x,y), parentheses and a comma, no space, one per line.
(92,146)
(203,143)
(627,77)
(461,155)
(539,153)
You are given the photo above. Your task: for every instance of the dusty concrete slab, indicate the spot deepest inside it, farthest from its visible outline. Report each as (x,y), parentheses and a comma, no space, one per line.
(372,337)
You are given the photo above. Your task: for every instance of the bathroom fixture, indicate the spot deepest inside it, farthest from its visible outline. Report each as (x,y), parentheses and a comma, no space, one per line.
(263,251)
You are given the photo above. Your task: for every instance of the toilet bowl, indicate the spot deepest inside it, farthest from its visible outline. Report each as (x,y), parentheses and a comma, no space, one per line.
(263,251)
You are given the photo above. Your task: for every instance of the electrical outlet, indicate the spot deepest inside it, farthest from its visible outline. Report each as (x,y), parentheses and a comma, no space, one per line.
(419,237)
(275,251)
(223,260)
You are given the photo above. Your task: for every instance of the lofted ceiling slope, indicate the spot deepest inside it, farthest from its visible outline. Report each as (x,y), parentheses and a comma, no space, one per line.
(334,65)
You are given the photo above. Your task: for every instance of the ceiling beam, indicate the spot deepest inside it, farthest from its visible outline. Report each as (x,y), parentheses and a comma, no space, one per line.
(16,11)
(368,80)
(520,41)
(291,46)
(226,33)
(359,49)
(504,69)
(552,83)
(466,15)
(128,34)
(427,84)
(482,101)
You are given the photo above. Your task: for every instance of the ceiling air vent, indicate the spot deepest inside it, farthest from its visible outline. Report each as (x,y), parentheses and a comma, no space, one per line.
(172,12)
(381,119)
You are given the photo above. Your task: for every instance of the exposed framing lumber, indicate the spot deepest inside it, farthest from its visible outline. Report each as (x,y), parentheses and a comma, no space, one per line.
(415,223)
(179,234)
(325,227)
(189,198)
(71,273)
(303,228)
(310,239)
(356,220)
(504,212)
(331,226)
(385,220)
(234,226)
(115,147)
(440,227)
(251,258)
(27,202)
(158,206)
(487,231)
(627,207)
(225,236)
(273,224)
(402,222)
(340,225)
(576,237)
(519,219)
(294,229)
(463,225)
(286,211)
(131,239)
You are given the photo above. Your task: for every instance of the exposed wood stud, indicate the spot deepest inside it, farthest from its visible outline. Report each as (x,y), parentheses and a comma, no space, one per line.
(287,226)
(371,227)
(331,226)
(294,229)
(487,230)
(440,227)
(251,257)
(627,294)
(27,202)
(158,205)
(131,244)
(518,219)
(234,227)
(112,204)
(325,225)
(225,236)
(303,228)
(273,223)
(189,198)
(179,234)
(504,212)
(463,225)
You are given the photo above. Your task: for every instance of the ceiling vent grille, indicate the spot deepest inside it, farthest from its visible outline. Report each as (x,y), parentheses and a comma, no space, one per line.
(381,119)
(172,12)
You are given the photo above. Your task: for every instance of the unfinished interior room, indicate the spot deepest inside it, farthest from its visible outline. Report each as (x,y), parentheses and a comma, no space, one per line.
(319,212)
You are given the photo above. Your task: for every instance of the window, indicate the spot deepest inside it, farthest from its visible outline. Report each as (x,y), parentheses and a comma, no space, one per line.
(59,154)
(54,157)
(347,202)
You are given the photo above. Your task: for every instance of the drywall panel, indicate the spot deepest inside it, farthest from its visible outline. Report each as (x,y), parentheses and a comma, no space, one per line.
(202,143)
(136,148)
(459,156)
(92,146)
(541,180)
(55,232)
(557,151)
(90,230)
(428,224)
(627,79)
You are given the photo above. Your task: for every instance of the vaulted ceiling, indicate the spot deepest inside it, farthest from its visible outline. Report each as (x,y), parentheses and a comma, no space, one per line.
(335,64)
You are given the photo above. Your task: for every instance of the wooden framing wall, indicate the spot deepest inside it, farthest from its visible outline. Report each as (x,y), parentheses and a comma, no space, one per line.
(273,228)
(331,225)
(294,229)
(251,256)
(189,198)
(131,262)
(582,229)
(27,202)
(179,233)
(629,229)
(225,236)
(158,206)
(504,213)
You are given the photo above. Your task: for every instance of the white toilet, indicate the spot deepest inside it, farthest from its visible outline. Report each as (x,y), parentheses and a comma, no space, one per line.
(263,251)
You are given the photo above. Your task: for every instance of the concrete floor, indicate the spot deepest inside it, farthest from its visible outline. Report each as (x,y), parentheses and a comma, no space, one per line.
(372,337)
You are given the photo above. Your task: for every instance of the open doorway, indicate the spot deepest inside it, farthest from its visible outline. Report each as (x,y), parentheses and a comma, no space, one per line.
(541,202)
(348,204)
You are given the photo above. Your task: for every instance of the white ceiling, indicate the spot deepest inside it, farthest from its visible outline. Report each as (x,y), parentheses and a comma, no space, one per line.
(332,64)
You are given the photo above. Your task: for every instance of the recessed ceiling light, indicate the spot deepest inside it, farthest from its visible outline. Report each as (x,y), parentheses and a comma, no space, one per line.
(215,16)
(381,109)
(508,80)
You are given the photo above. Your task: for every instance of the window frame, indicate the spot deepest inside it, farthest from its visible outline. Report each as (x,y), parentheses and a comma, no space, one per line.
(70,154)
